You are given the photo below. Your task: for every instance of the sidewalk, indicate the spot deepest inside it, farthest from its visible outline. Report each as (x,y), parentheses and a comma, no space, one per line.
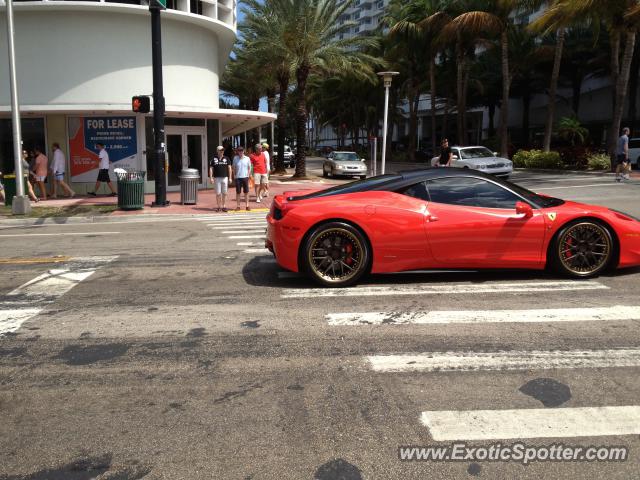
(206,201)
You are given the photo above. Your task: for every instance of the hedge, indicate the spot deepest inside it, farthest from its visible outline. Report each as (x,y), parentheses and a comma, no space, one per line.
(537,159)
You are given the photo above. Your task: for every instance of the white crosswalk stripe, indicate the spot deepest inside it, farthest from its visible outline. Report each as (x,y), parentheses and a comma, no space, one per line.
(550,315)
(30,299)
(241,226)
(511,360)
(455,425)
(444,288)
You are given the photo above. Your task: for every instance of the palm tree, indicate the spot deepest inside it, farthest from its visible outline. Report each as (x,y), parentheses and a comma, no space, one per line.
(620,18)
(309,40)
(262,30)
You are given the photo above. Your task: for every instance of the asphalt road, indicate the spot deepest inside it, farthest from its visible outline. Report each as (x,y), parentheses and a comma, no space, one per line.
(173,350)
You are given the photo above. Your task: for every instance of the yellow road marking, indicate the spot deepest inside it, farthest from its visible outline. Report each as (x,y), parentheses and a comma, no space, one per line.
(34,260)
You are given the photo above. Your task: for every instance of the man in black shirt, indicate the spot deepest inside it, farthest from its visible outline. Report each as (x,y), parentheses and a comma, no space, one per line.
(445,153)
(219,174)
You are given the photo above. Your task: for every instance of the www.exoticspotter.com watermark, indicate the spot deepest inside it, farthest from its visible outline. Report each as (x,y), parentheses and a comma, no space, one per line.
(515,452)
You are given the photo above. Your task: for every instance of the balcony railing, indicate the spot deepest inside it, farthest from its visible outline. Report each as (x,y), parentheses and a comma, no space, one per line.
(222,10)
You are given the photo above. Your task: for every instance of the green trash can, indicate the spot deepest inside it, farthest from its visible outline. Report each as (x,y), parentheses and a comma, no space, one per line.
(9,182)
(131,190)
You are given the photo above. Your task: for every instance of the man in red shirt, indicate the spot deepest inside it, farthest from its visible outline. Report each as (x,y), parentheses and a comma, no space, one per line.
(260,174)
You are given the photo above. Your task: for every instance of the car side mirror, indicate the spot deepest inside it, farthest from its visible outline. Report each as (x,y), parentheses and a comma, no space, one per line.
(362,160)
(495,154)
(525,209)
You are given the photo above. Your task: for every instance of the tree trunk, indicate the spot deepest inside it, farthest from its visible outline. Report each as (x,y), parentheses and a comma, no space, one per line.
(633,88)
(413,124)
(526,107)
(302,74)
(504,108)
(553,89)
(432,79)
(461,96)
(492,120)
(576,87)
(445,121)
(283,87)
(621,91)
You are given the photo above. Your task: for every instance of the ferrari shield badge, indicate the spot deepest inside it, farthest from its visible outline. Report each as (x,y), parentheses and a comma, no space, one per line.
(552,216)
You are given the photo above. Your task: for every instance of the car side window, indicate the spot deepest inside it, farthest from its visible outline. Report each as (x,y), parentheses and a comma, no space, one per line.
(419,191)
(470,192)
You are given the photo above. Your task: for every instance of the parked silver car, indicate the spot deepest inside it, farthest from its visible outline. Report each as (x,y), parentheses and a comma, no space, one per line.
(289,156)
(344,163)
(479,158)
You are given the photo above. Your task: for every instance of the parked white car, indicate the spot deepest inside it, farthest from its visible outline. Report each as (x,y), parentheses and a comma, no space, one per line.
(289,157)
(634,152)
(479,158)
(344,163)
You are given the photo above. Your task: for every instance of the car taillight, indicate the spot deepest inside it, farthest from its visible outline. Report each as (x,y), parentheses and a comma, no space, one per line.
(278,214)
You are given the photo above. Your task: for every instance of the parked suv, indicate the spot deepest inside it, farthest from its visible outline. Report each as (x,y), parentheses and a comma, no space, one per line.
(289,157)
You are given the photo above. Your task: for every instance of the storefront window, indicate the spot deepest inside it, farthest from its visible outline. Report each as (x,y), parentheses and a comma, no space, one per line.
(33,135)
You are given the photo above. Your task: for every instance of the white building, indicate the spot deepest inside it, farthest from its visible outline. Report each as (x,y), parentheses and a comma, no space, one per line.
(80,62)
(366,13)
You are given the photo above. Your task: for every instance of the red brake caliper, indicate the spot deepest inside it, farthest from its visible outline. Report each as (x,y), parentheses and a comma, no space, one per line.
(349,249)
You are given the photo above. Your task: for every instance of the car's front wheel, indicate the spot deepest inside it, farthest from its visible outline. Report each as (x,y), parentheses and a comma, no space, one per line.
(582,249)
(336,254)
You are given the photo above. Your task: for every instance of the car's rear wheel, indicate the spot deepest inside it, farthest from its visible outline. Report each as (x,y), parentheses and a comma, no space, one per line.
(582,249)
(336,254)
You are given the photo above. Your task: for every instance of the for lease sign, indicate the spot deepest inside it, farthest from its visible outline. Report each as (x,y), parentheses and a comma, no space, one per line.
(117,134)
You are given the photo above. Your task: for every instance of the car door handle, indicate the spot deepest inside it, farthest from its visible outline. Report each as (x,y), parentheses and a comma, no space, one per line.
(431,218)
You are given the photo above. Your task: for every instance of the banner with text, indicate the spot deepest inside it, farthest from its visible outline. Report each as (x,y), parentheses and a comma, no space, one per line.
(118,134)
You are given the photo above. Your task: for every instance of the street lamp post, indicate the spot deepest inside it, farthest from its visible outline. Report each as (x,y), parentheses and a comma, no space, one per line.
(387,77)
(20,203)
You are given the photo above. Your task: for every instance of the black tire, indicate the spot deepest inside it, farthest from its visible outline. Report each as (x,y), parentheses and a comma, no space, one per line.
(324,173)
(582,249)
(362,177)
(337,245)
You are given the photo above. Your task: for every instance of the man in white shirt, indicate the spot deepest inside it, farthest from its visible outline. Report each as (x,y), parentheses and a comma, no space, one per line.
(57,168)
(103,172)
(241,172)
(265,151)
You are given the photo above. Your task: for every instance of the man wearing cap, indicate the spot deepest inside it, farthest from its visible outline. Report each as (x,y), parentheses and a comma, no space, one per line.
(260,176)
(265,152)
(241,172)
(219,173)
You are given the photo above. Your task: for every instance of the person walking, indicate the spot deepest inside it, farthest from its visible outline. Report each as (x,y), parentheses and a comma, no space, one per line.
(219,173)
(445,154)
(260,175)
(622,156)
(40,169)
(241,170)
(267,156)
(28,175)
(58,168)
(103,172)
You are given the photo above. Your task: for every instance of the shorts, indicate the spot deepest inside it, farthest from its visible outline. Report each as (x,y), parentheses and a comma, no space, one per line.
(40,178)
(260,178)
(59,176)
(242,184)
(221,184)
(103,175)
(622,159)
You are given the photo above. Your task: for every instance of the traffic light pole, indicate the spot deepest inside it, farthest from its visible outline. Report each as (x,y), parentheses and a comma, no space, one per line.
(158,107)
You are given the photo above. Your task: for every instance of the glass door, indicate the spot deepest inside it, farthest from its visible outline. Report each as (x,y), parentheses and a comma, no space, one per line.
(186,148)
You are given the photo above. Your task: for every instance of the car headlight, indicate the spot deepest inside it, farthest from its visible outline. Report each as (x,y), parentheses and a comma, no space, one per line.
(338,167)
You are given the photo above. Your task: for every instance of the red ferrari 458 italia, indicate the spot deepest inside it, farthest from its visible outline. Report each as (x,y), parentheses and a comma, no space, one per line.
(440,219)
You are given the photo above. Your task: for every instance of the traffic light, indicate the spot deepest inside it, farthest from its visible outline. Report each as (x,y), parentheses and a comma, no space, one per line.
(141,104)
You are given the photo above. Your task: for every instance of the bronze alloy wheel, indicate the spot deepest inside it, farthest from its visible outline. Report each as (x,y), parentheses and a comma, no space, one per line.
(336,254)
(584,248)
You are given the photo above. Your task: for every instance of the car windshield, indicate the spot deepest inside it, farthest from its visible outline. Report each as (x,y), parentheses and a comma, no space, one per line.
(346,156)
(372,183)
(540,200)
(476,152)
